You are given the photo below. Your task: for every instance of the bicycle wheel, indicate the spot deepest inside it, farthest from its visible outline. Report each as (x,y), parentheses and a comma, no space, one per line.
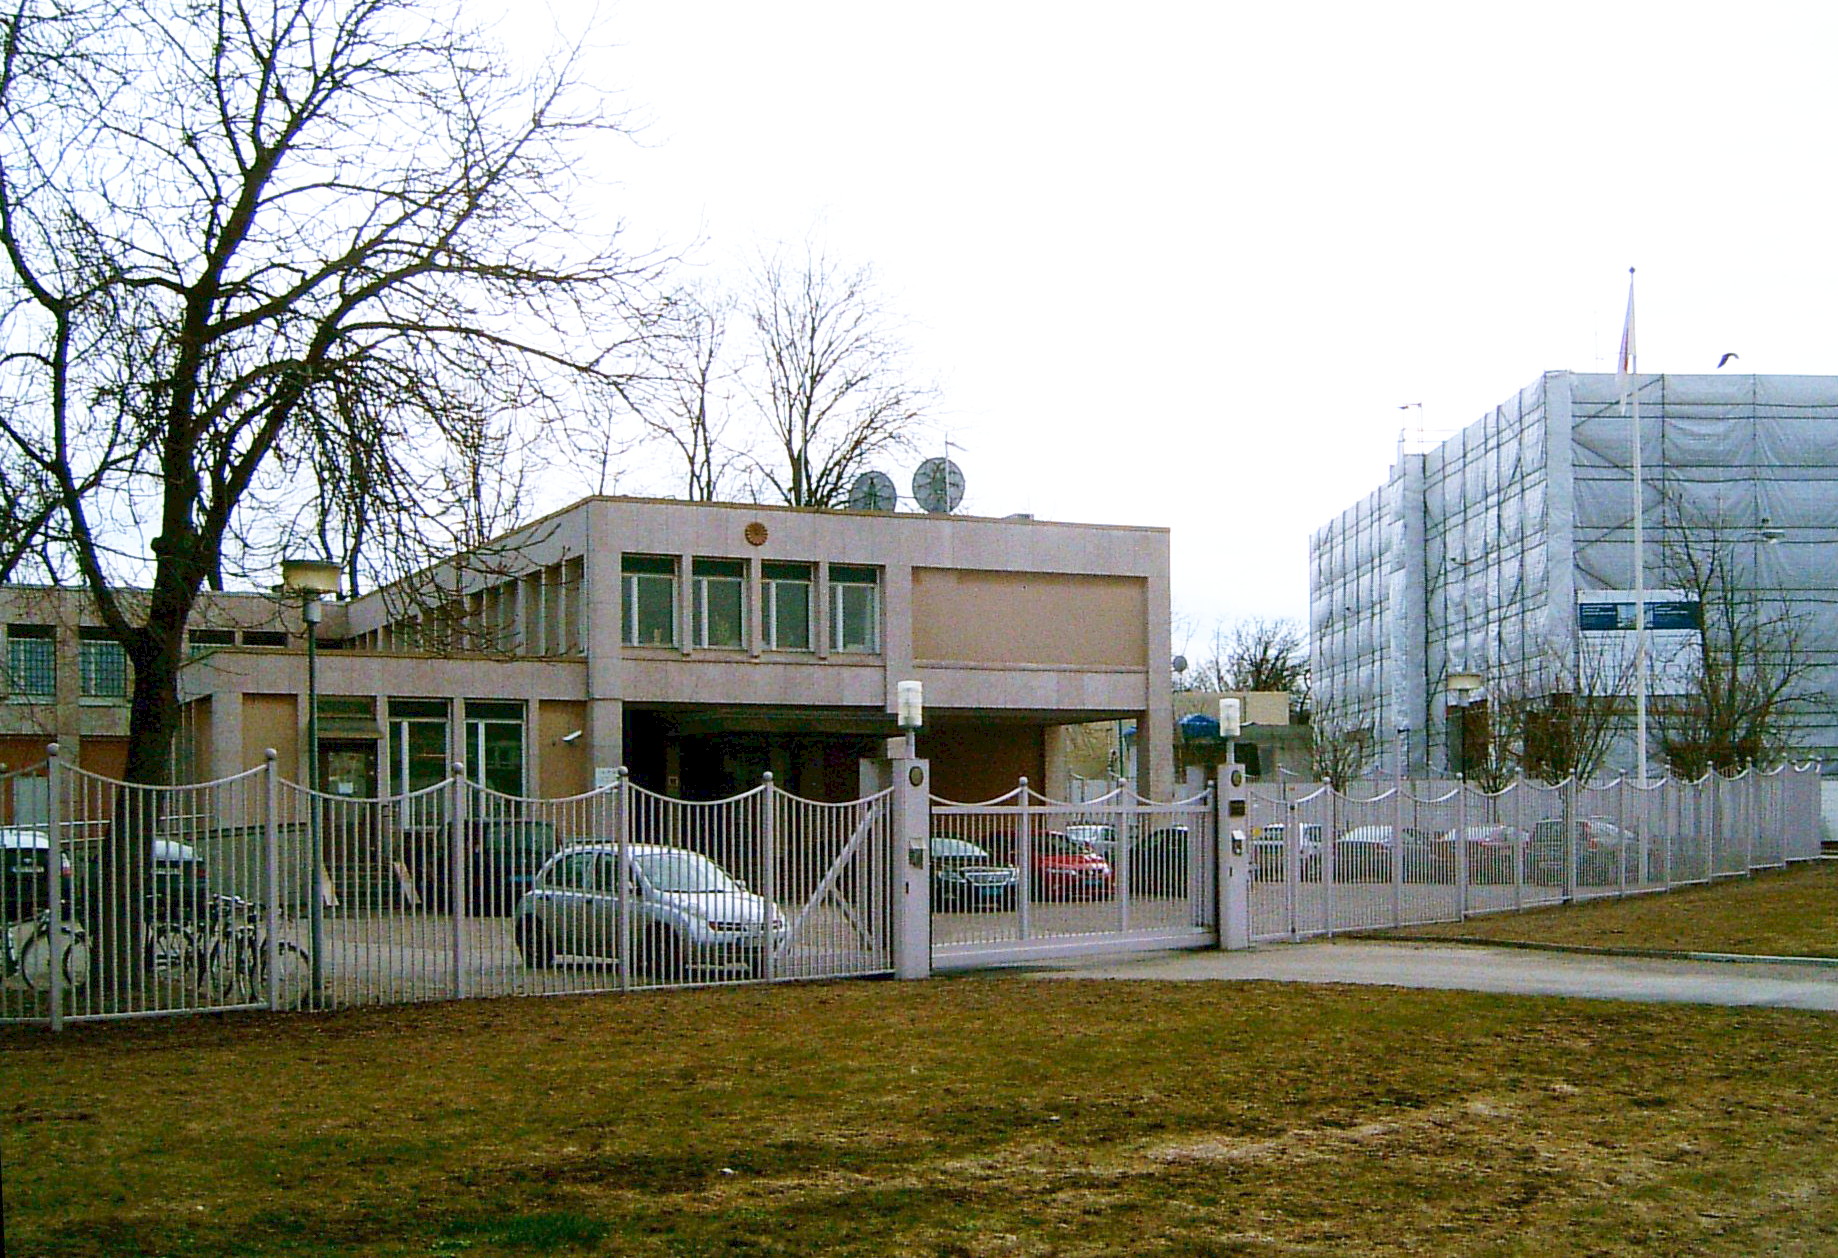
(229,973)
(294,971)
(35,955)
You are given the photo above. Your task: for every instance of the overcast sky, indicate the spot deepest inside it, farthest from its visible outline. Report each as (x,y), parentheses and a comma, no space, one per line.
(1182,264)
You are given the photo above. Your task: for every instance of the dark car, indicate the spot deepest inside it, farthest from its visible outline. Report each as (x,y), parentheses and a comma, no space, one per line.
(1603,851)
(504,855)
(181,883)
(25,883)
(966,878)
(1161,863)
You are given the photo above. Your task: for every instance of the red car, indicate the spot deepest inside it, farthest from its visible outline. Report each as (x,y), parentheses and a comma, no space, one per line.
(1062,868)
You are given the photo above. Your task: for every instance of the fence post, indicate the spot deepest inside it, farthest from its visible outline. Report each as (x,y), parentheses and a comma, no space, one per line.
(1024,866)
(1397,854)
(622,835)
(1128,825)
(458,809)
(54,861)
(1330,844)
(1461,849)
(1571,829)
(1749,813)
(768,875)
(912,935)
(1234,860)
(271,879)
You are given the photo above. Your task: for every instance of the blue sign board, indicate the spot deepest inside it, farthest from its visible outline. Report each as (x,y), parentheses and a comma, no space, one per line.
(1612,617)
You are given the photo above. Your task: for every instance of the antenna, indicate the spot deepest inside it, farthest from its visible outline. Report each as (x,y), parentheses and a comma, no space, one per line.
(873,491)
(938,486)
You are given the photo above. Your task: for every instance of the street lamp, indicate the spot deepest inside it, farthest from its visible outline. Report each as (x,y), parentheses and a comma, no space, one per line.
(312,580)
(909,705)
(1461,692)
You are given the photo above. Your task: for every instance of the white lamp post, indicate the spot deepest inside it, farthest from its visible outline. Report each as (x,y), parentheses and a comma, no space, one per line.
(312,580)
(1461,692)
(909,699)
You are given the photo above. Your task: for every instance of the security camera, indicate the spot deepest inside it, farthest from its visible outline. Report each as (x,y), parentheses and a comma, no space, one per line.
(574,737)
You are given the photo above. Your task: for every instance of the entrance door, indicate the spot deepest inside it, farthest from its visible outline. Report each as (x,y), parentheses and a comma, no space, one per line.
(348,768)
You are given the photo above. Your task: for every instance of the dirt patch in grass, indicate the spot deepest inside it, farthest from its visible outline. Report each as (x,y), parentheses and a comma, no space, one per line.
(1786,913)
(982,1116)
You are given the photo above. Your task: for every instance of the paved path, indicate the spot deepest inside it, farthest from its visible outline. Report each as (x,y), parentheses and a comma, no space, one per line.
(1466,968)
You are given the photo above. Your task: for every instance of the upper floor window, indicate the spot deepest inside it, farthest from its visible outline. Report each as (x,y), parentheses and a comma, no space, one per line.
(104,665)
(786,594)
(202,640)
(721,602)
(649,611)
(855,609)
(31,661)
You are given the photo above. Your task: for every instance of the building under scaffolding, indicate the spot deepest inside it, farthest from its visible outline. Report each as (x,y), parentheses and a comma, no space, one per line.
(1506,554)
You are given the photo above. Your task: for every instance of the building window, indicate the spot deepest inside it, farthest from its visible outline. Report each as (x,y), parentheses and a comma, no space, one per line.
(855,609)
(721,603)
(103,663)
(264,637)
(494,745)
(786,591)
(417,744)
(203,641)
(649,614)
(31,661)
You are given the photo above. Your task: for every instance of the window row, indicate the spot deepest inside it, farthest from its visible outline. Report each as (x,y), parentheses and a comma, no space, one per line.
(31,664)
(720,613)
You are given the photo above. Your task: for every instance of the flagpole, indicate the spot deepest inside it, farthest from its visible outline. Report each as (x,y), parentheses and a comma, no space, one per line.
(1631,366)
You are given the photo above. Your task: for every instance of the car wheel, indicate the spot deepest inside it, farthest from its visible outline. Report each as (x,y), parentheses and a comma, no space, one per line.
(663,955)
(534,943)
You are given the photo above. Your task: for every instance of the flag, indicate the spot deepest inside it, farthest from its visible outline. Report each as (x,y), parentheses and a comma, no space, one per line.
(1625,365)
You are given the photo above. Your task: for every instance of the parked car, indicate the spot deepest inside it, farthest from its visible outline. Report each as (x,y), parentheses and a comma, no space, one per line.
(966,878)
(1161,863)
(1492,851)
(1363,854)
(689,916)
(1062,869)
(1100,839)
(1267,851)
(1602,849)
(179,887)
(25,882)
(181,883)
(504,854)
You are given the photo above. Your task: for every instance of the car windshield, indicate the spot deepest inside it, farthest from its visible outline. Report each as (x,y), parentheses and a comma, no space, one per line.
(1054,844)
(683,872)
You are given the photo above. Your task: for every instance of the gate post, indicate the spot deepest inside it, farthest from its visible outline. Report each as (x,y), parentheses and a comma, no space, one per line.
(54,865)
(912,887)
(1233,860)
(460,856)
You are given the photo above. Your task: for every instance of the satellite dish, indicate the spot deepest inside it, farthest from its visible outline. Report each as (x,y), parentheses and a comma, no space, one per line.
(938,486)
(873,491)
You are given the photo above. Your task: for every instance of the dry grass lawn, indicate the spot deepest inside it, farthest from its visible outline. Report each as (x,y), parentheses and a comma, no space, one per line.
(1784,913)
(981,1116)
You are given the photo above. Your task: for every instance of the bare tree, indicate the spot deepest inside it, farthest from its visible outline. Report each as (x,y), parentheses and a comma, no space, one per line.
(1558,718)
(1256,654)
(1340,749)
(684,396)
(829,379)
(229,227)
(1747,669)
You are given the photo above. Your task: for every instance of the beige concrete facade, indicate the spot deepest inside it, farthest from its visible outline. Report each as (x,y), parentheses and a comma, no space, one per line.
(656,635)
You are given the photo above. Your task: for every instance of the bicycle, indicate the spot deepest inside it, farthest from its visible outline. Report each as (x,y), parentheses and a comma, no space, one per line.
(235,965)
(27,952)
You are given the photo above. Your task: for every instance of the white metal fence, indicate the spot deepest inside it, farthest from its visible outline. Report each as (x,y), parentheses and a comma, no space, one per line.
(1416,853)
(1022,875)
(253,892)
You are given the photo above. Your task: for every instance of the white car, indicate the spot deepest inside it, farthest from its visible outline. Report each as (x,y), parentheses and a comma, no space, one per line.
(686,913)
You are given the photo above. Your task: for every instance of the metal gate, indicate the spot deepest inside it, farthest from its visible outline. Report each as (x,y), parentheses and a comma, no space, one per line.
(1022,876)
(253,892)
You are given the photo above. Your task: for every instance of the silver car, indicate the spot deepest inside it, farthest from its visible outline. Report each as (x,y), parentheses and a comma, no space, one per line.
(687,915)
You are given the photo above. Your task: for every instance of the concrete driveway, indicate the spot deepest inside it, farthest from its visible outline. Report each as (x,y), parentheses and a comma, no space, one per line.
(1513,971)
